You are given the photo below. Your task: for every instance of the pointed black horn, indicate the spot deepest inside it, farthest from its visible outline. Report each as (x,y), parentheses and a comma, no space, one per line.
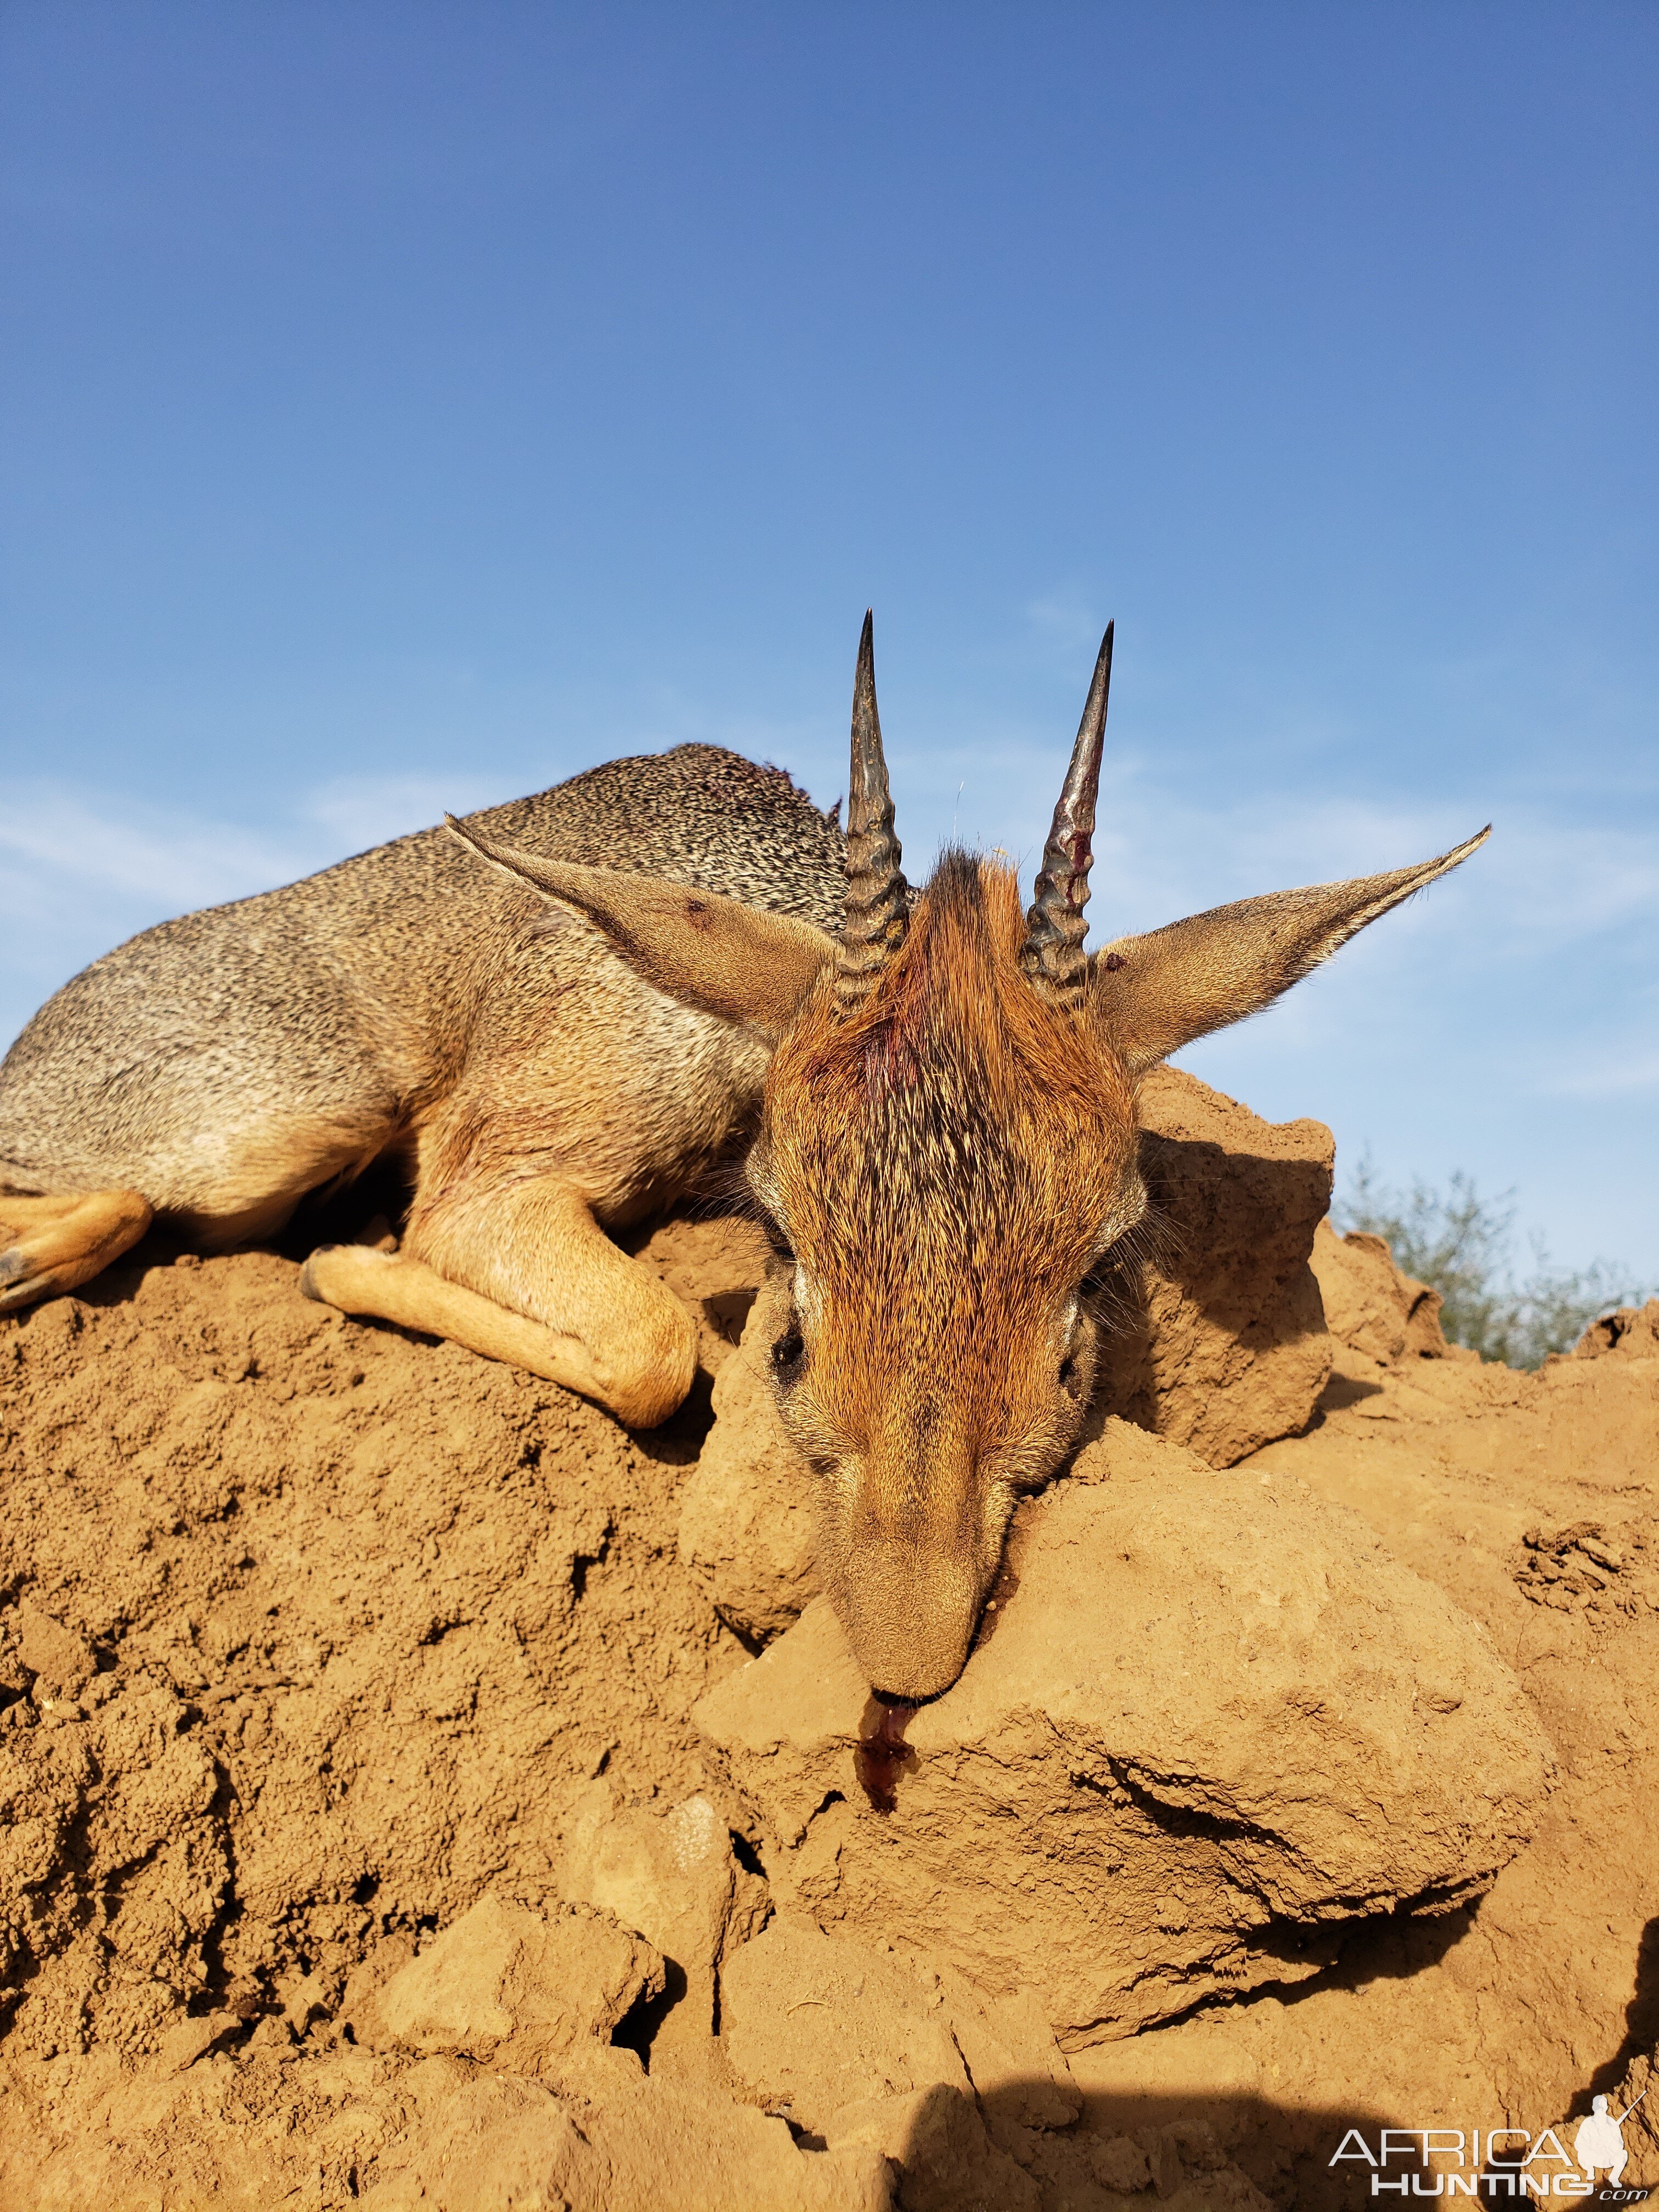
(878,902)
(1053,955)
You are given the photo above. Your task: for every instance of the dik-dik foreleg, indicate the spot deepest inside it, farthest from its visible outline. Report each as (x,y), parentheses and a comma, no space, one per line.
(53,1244)
(521,1272)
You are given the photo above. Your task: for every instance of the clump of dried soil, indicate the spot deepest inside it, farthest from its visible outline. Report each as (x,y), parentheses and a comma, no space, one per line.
(325,1628)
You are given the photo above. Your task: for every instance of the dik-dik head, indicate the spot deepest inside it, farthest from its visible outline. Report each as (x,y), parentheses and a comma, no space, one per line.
(947,1157)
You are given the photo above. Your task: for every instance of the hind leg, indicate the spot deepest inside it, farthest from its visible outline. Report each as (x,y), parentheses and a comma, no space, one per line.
(522,1272)
(50,1245)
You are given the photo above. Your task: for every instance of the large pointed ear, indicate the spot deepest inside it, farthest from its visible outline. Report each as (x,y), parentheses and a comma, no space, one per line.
(1155,993)
(714,953)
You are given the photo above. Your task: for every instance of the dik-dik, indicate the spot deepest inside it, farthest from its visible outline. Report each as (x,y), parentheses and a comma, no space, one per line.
(563,1010)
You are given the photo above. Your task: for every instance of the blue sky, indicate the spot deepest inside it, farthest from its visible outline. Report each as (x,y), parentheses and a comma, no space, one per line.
(406,406)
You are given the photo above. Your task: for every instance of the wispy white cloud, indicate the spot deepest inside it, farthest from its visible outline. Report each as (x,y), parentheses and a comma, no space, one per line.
(358,811)
(1159,853)
(1163,850)
(1627,1071)
(148,852)
(50,833)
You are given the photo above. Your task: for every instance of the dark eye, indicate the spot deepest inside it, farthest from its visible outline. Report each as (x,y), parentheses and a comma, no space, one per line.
(774,1232)
(787,1354)
(1068,1373)
(1105,1273)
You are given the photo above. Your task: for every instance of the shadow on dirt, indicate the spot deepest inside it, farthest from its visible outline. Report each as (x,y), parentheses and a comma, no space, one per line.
(1188,2150)
(1320,2155)
(1641,2023)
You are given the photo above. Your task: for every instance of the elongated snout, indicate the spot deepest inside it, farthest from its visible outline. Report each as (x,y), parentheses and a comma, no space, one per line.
(909,1613)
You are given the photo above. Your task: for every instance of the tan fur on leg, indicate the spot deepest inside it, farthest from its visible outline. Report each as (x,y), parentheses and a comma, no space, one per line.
(360,1280)
(633,1349)
(50,1245)
(531,1244)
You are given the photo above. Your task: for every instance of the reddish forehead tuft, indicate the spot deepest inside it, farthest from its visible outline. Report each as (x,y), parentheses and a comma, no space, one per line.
(956,1117)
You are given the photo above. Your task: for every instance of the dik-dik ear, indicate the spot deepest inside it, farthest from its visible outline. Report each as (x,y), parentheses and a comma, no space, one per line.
(711,952)
(1155,993)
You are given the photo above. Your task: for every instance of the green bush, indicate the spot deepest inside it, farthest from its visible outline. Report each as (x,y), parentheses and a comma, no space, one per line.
(1461,1244)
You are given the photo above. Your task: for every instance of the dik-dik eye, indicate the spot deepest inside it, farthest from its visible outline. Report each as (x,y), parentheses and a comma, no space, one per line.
(1105,1273)
(789,1355)
(776,1236)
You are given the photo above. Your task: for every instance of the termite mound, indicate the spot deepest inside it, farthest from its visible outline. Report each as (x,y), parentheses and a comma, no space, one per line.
(316,1638)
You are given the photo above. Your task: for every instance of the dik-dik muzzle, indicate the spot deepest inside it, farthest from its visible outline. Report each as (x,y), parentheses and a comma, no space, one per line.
(947,1155)
(919,1465)
(948,1150)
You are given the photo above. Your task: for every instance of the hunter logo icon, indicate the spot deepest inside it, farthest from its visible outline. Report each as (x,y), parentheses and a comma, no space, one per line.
(1500,2165)
(1599,2147)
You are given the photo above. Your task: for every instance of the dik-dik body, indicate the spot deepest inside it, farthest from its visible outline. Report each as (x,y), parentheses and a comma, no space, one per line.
(563,1010)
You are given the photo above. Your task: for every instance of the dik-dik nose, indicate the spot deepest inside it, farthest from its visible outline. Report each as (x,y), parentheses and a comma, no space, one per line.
(909,1615)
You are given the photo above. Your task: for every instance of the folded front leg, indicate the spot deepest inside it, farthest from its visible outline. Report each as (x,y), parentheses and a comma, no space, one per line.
(521,1272)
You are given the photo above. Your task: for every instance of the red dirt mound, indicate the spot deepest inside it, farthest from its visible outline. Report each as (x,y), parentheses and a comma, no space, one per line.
(316,1639)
